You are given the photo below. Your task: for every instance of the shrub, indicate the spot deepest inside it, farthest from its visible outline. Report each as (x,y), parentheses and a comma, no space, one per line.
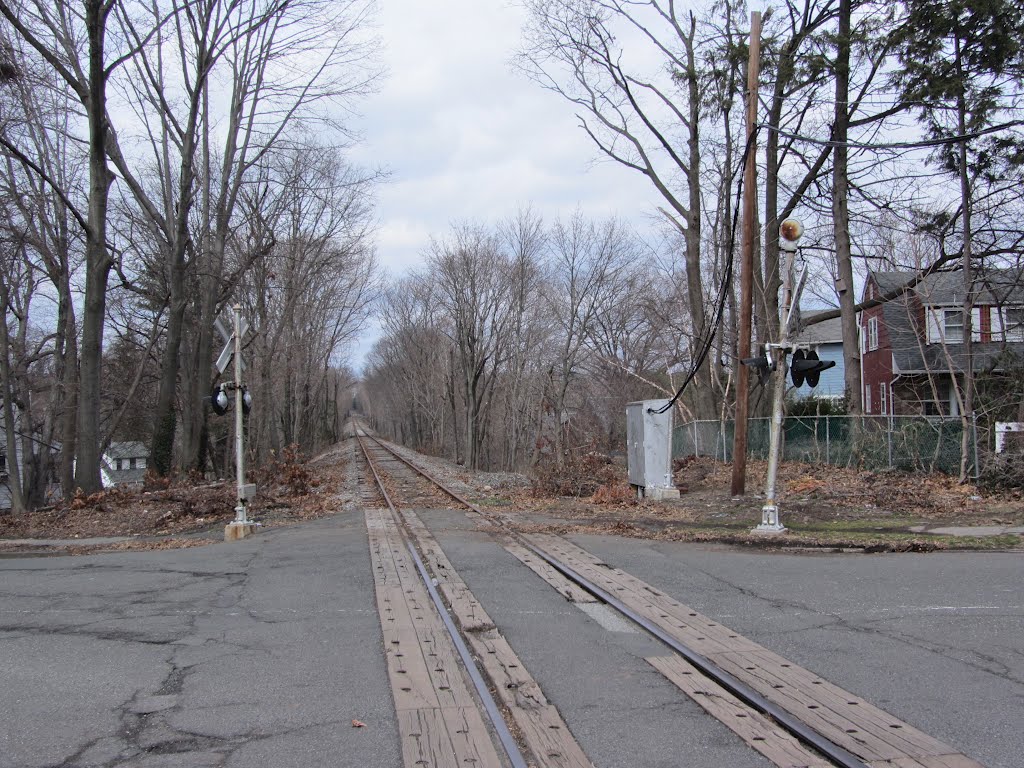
(615,493)
(289,470)
(1003,471)
(579,475)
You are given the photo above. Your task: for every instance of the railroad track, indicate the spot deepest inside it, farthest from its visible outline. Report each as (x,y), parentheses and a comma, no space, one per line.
(437,635)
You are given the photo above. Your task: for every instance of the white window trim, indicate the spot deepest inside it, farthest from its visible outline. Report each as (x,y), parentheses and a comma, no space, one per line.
(872,334)
(1014,332)
(945,326)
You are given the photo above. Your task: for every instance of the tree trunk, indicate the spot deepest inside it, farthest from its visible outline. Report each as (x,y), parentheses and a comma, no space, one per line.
(97,258)
(703,393)
(69,399)
(10,423)
(165,417)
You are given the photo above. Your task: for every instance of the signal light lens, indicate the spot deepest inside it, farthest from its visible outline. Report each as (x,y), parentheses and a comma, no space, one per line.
(791,230)
(219,401)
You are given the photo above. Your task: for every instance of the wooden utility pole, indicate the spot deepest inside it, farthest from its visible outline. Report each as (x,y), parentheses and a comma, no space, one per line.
(739,442)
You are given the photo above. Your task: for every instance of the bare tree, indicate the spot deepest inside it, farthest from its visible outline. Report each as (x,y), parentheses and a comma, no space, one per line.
(74,45)
(311,293)
(648,121)
(588,259)
(40,181)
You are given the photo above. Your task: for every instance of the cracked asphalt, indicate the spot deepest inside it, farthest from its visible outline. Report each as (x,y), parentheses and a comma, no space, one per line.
(256,653)
(936,639)
(260,653)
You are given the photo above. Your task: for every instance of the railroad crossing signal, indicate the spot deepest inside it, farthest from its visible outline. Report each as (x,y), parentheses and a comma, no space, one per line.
(764,366)
(219,400)
(220,403)
(807,367)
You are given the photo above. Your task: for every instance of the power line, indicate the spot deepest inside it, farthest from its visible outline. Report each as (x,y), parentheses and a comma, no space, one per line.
(925,144)
(726,285)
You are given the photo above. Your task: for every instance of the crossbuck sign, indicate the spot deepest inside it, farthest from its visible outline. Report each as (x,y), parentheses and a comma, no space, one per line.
(229,347)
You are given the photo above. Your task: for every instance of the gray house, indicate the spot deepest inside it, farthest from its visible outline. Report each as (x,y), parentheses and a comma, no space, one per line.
(124,464)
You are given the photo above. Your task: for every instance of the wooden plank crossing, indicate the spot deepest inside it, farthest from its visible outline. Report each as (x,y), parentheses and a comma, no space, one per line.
(937,761)
(566,588)
(758,731)
(870,733)
(438,721)
(442,738)
(547,737)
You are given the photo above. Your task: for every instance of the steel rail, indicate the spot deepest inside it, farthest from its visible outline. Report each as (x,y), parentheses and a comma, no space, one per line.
(796,727)
(508,741)
(786,720)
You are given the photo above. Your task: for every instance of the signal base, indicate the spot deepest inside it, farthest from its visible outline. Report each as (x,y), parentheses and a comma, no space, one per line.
(769,520)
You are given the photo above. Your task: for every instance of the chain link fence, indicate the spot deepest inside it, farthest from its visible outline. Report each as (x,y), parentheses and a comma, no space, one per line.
(910,443)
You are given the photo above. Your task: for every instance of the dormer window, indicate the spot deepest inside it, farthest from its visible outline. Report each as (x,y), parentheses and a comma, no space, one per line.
(1013,323)
(953,326)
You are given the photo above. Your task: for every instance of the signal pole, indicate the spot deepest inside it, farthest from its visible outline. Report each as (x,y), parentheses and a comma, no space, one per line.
(240,516)
(790,231)
(240,527)
(739,442)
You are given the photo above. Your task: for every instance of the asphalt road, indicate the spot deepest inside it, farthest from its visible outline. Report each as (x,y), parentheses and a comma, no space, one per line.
(263,652)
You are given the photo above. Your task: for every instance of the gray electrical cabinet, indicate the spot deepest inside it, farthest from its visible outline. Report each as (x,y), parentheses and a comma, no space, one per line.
(649,449)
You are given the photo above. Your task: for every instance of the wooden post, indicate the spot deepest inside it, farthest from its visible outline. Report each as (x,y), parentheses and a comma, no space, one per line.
(739,442)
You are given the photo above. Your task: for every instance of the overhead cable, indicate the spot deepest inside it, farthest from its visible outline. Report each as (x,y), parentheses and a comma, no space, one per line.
(925,144)
(724,289)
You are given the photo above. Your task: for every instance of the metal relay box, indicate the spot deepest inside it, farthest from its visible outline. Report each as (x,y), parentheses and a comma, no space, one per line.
(649,449)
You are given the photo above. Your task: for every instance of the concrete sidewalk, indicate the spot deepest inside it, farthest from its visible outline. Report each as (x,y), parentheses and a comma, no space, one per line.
(971,530)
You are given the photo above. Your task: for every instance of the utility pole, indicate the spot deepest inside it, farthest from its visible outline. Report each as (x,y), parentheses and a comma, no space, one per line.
(739,442)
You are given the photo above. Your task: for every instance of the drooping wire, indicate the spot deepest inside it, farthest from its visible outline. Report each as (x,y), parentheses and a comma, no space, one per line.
(924,144)
(726,285)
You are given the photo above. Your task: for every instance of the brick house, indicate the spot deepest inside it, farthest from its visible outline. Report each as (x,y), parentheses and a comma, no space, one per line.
(912,345)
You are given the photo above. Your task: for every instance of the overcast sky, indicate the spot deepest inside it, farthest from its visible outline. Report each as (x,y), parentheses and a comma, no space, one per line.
(466,137)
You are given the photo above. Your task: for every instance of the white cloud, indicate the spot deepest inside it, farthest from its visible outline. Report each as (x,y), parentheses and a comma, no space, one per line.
(467,138)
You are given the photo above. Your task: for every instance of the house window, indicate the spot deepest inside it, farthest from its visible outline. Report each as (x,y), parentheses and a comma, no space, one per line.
(867,399)
(1013,323)
(953,326)
(872,333)
(131,463)
(882,399)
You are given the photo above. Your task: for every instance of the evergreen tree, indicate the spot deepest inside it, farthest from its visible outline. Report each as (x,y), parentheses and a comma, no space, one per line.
(962,69)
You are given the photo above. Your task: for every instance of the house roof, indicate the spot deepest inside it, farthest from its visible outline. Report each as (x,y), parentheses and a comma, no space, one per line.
(987,357)
(910,352)
(825,332)
(127,450)
(994,286)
